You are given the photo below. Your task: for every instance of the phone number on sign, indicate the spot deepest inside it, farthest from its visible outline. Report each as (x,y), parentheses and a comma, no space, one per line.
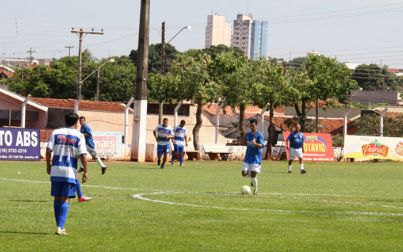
(12,150)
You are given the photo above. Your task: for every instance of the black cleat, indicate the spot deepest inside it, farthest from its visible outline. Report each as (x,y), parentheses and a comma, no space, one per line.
(103,170)
(303,171)
(159,162)
(163,166)
(289,171)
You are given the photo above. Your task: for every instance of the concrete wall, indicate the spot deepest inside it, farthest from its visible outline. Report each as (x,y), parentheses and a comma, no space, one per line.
(104,121)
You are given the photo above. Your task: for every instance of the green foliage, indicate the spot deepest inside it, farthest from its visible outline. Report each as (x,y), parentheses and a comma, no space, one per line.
(154,57)
(316,78)
(59,79)
(372,77)
(368,125)
(338,140)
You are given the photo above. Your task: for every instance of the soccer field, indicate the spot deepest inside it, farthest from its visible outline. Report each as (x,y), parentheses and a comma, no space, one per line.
(334,207)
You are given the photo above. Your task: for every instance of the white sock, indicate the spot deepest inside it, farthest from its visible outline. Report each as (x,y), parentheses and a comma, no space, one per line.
(255,183)
(289,167)
(100,162)
(302,166)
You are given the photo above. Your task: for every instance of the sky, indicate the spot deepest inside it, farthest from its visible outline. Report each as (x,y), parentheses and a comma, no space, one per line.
(356,31)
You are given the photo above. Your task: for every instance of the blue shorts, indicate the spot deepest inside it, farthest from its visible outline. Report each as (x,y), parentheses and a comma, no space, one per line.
(179,148)
(63,189)
(163,149)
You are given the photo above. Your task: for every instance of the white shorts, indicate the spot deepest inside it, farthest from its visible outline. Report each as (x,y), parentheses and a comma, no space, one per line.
(91,151)
(296,153)
(251,167)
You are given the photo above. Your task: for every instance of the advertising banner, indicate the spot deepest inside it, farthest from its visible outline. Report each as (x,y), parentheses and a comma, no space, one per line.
(108,144)
(19,144)
(317,147)
(372,147)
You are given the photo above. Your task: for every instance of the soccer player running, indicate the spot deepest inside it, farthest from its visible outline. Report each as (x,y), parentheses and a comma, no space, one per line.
(67,145)
(296,142)
(87,132)
(163,134)
(180,141)
(253,157)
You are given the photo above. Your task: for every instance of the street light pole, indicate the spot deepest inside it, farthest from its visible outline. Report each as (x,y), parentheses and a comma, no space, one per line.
(162,57)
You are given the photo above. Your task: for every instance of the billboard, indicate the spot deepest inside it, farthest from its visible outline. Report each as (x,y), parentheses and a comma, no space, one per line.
(372,147)
(317,147)
(19,144)
(108,144)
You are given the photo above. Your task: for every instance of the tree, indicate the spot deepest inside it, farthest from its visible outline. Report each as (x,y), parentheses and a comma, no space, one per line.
(330,79)
(195,83)
(368,125)
(319,78)
(117,80)
(214,51)
(154,57)
(234,73)
(271,87)
(373,77)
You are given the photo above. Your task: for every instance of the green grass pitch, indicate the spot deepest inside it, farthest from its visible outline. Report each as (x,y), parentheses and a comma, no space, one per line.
(334,207)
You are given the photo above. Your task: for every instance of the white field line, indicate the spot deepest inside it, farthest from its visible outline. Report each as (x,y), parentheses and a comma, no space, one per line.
(83,185)
(141,196)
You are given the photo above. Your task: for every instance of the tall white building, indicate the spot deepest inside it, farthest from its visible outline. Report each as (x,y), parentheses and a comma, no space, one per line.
(241,37)
(218,31)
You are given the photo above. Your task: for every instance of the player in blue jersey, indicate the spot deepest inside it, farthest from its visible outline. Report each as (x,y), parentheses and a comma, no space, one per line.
(180,141)
(294,144)
(67,146)
(253,156)
(163,134)
(87,132)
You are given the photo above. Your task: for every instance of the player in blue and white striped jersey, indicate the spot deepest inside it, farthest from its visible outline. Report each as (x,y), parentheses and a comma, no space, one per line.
(67,145)
(180,141)
(163,135)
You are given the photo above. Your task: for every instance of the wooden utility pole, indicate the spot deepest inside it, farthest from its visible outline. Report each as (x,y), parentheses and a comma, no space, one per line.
(138,147)
(162,69)
(80,34)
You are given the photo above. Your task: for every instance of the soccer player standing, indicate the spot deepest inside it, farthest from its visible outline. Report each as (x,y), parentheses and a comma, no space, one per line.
(180,141)
(87,132)
(67,145)
(163,134)
(296,143)
(252,163)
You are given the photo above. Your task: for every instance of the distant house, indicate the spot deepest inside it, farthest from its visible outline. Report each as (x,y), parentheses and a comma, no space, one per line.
(6,72)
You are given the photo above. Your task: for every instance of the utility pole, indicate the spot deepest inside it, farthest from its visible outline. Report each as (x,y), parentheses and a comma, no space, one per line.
(98,84)
(69,47)
(80,34)
(162,69)
(30,51)
(138,147)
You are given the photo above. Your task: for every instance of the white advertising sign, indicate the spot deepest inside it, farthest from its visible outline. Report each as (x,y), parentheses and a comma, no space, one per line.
(371,147)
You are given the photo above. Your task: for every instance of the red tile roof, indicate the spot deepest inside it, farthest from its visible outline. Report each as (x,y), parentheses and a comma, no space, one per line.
(83,106)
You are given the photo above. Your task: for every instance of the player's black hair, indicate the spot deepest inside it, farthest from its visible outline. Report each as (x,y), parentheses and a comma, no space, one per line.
(183,122)
(253,120)
(82,117)
(71,119)
(164,119)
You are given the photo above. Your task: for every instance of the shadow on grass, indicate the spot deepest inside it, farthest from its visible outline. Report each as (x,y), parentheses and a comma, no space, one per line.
(23,232)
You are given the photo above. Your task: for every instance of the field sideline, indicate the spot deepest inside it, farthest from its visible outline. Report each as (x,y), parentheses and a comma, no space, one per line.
(334,207)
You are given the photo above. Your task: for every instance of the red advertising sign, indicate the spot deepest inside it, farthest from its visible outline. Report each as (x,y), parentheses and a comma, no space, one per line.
(317,147)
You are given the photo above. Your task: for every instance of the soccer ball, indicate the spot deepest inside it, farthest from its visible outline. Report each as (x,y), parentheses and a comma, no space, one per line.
(245,189)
